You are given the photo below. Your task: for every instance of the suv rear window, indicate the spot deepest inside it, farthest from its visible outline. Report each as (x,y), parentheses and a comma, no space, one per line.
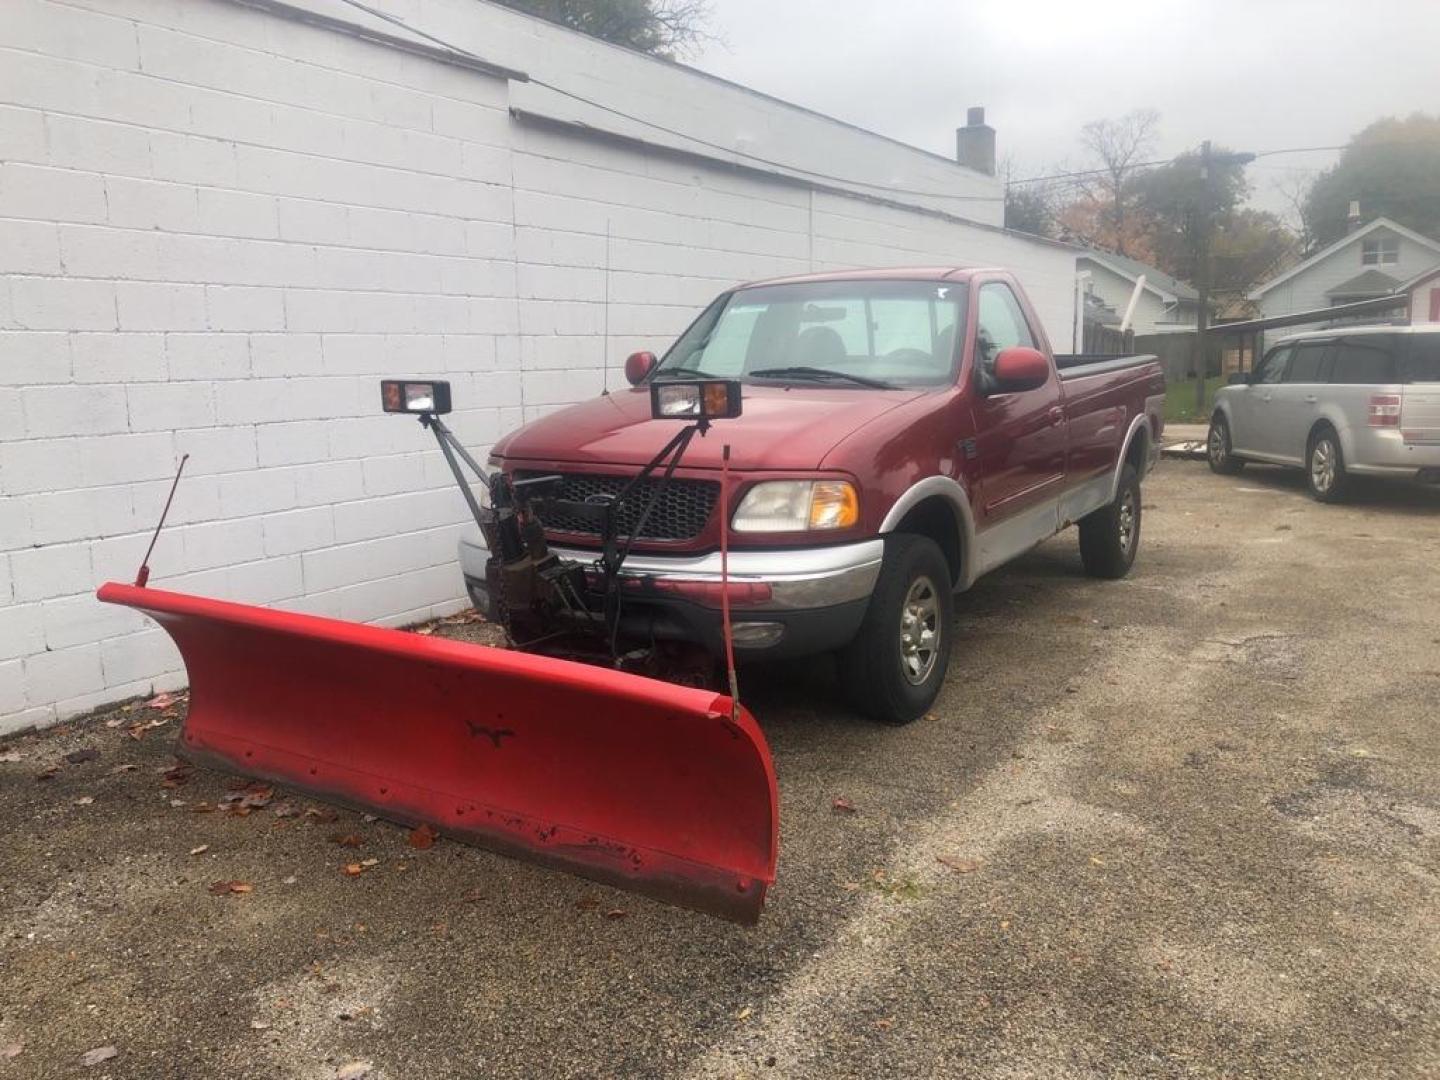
(1364,358)
(1423,363)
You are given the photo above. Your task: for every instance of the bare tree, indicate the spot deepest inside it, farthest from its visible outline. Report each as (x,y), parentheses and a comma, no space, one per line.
(1118,147)
(1294,187)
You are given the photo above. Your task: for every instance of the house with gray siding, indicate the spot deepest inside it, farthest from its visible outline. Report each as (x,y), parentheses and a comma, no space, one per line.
(1374,260)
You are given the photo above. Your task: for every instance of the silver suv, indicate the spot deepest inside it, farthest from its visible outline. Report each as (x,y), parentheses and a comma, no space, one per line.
(1338,403)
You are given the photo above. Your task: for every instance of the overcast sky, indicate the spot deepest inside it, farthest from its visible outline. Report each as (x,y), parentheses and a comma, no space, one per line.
(1248,74)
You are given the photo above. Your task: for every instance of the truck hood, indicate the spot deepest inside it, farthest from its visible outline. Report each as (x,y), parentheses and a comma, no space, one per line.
(780,428)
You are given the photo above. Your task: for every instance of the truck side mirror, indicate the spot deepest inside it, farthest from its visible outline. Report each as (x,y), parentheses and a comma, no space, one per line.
(638,366)
(1020,368)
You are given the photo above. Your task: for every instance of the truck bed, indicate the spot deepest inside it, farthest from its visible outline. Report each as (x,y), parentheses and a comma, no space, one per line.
(1078,365)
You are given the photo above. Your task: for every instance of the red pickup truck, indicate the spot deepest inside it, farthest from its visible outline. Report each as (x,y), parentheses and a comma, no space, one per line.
(904,432)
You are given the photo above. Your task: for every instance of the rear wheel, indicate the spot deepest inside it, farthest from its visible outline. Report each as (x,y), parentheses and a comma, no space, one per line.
(1218,448)
(1325,467)
(1110,537)
(893,669)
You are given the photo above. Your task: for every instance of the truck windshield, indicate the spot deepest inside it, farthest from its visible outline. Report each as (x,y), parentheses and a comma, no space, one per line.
(841,333)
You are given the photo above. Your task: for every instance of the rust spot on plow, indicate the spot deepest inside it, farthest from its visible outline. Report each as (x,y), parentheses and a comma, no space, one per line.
(493,734)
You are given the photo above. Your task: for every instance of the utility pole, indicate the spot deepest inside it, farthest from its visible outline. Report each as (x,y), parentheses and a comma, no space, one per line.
(1202,269)
(1202,282)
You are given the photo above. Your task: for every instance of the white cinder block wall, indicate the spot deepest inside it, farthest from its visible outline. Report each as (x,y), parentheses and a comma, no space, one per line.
(219,227)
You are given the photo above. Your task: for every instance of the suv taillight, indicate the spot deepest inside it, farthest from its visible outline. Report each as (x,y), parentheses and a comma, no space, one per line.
(1383,410)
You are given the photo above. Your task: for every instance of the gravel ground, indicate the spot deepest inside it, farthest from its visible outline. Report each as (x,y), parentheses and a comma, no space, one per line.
(1187,824)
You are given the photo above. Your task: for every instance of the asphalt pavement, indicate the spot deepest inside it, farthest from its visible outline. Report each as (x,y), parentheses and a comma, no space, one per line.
(1185,824)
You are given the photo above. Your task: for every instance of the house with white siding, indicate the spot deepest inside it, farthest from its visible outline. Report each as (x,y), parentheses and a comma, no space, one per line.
(223,221)
(1373,260)
(1166,304)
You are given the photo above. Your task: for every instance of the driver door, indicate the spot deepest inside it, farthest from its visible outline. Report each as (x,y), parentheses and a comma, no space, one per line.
(1020,435)
(1251,415)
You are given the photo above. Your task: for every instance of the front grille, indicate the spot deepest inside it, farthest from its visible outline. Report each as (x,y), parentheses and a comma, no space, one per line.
(680,514)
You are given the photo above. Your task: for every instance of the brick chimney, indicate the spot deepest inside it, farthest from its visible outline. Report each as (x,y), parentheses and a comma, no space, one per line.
(975,142)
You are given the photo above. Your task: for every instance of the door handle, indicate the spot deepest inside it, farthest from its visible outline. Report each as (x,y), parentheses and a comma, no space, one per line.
(1056,415)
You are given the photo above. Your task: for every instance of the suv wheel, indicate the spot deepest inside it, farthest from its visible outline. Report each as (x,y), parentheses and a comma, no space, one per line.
(1110,536)
(893,669)
(1325,467)
(1217,448)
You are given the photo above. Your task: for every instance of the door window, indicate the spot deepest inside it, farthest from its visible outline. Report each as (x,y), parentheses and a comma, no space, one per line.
(1307,362)
(1365,358)
(1272,368)
(1000,325)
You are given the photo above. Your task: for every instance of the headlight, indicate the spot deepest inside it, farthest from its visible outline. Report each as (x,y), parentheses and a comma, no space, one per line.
(797,505)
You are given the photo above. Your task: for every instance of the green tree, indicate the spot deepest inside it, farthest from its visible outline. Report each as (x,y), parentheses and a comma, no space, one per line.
(1392,169)
(1029,209)
(1171,201)
(667,28)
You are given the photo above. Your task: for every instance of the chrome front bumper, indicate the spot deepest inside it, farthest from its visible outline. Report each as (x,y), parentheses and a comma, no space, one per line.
(800,579)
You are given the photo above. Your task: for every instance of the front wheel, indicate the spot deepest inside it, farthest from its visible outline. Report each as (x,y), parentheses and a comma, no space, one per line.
(893,669)
(1110,537)
(1325,467)
(1218,449)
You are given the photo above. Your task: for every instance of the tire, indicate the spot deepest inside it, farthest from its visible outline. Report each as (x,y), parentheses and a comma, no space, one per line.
(1325,473)
(885,671)
(1217,448)
(1110,537)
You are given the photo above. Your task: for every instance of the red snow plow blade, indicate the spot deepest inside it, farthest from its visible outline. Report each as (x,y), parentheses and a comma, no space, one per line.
(623,779)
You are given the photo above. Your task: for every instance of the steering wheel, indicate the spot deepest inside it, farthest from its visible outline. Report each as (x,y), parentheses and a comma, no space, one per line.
(909,356)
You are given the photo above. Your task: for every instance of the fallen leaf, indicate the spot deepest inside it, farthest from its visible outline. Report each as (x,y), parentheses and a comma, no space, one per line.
(85,800)
(115,721)
(259,1025)
(164,701)
(368,817)
(285,809)
(474,896)
(177,775)
(422,837)
(99,1054)
(367,863)
(1004,924)
(200,850)
(118,769)
(842,805)
(1095,860)
(587,903)
(350,840)
(745,1013)
(48,774)
(886,1023)
(230,888)
(79,757)
(289,880)
(203,808)
(616,913)
(355,1070)
(10,755)
(353,869)
(959,865)
(425,629)
(322,817)
(10,1050)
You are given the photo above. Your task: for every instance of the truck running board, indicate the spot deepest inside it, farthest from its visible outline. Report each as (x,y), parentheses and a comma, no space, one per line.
(627,780)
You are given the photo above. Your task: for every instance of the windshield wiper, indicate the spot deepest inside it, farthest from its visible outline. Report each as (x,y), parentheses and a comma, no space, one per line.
(804,372)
